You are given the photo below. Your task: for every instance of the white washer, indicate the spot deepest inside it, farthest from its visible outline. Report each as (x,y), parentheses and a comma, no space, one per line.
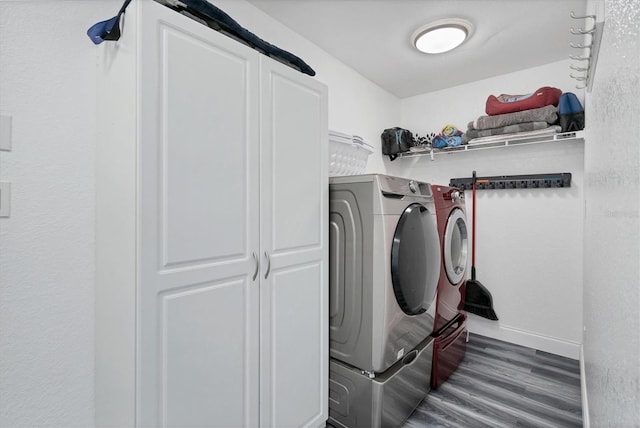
(384,266)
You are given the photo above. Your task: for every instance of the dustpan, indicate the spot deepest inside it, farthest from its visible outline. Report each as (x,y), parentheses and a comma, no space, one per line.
(478,299)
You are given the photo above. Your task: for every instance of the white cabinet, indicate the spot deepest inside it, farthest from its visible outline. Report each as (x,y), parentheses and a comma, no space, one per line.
(211,240)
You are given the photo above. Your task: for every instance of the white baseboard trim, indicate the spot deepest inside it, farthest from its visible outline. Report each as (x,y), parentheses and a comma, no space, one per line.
(484,327)
(583,389)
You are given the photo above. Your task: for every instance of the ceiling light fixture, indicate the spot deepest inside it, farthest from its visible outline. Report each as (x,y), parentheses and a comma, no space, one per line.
(441,36)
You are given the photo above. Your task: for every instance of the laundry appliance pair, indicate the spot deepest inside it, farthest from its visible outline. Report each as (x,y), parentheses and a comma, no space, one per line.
(384,268)
(395,245)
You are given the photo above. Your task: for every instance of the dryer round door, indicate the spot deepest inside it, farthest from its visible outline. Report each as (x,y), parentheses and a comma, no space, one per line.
(415,259)
(456,246)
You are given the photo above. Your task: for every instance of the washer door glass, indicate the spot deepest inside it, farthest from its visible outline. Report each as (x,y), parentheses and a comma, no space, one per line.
(456,241)
(413,253)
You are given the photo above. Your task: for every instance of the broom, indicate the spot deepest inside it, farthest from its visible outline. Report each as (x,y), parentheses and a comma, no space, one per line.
(477,299)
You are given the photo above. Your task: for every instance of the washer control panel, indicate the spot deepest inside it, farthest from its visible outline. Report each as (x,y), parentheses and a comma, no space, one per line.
(457,195)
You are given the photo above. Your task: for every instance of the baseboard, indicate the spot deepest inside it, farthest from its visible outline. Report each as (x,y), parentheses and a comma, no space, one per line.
(529,339)
(583,389)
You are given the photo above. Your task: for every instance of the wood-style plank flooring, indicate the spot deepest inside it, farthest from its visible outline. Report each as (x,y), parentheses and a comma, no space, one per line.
(499,384)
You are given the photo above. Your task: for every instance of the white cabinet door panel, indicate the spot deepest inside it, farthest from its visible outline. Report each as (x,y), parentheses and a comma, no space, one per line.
(203,379)
(198,220)
(294,295)
(293,130)
(203,163)
(296,359)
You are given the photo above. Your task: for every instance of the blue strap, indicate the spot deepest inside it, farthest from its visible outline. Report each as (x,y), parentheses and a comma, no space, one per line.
(109,29)
(213,18)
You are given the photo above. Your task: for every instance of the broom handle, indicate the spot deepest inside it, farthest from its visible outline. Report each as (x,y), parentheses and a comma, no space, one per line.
(473,230)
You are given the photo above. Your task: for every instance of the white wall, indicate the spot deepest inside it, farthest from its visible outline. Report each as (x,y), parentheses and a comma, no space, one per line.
(356,105)
(462,104)
(46,246)
(612,226)
(529,241)
(47,85)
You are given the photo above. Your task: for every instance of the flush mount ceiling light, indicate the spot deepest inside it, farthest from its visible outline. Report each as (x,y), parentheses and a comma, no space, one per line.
(441,36)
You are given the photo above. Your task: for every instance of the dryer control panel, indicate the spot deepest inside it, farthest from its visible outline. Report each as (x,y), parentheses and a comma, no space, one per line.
(401,187)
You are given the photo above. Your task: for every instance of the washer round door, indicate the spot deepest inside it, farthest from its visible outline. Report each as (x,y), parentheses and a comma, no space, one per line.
(456,246)
(415,259)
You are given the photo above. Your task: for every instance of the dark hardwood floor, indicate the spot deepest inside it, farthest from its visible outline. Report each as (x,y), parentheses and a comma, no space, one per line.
(499,384)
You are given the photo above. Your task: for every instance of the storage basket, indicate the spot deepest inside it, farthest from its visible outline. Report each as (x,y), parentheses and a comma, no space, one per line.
(348,154)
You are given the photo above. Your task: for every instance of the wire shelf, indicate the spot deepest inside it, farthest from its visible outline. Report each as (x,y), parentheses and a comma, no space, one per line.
(507,141)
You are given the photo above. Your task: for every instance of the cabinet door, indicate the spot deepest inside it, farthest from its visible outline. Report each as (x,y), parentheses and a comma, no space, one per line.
(198,305)
(294,294)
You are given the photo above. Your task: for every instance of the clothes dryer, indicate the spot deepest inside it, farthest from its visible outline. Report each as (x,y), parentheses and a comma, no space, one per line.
(384,263)
(454,244)
(450,318)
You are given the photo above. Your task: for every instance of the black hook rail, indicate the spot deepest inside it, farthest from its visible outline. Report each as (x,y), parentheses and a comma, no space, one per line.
(530,181)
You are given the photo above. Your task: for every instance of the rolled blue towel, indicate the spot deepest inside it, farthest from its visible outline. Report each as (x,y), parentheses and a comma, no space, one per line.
(454,141)
(439,142)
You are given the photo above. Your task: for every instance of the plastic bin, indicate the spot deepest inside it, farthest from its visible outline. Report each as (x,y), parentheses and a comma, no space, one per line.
(348,154)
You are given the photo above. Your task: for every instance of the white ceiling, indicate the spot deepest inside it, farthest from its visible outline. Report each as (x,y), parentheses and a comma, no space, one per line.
(373,37)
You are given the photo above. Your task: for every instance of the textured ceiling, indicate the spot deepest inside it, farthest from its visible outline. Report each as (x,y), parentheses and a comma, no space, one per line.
(373,37)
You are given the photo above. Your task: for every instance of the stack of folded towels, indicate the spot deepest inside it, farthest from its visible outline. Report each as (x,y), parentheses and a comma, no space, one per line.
(532,114)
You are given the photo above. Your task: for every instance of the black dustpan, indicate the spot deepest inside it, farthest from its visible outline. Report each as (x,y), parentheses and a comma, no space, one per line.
(477,298)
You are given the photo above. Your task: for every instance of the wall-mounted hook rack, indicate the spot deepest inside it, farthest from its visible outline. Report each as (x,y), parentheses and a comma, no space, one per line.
(529,181)
(590,49)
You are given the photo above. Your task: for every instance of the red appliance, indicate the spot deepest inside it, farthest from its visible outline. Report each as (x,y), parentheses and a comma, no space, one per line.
(450,325)
(449,347)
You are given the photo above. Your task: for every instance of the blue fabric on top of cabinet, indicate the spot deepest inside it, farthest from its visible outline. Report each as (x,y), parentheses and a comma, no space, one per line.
(214,18)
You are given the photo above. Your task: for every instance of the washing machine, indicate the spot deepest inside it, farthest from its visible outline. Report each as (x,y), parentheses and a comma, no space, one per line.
(450,318)
(384,265)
